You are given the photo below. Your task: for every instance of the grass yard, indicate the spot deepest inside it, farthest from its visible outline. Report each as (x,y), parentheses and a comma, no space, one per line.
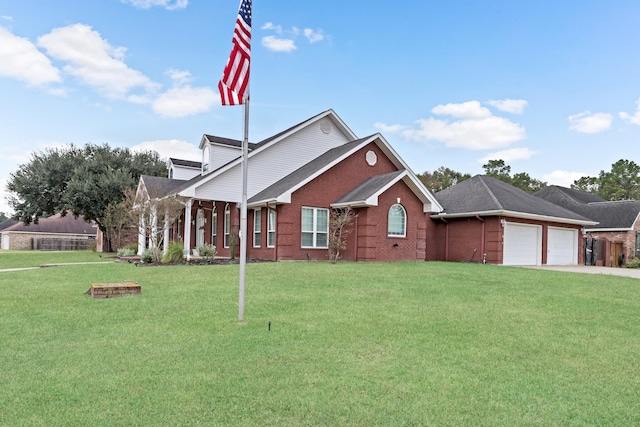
(357,344)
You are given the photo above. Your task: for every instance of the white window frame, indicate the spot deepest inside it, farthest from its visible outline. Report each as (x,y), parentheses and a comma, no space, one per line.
(315,231)
(394,233)
(271,229)
(227,225)
(257,227)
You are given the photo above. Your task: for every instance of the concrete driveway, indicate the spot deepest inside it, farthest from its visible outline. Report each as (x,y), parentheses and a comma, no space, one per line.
(590,269)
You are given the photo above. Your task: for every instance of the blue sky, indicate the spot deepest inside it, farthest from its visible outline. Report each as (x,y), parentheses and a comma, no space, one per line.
(551,87)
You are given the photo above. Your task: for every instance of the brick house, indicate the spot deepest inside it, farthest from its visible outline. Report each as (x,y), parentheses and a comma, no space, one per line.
(295,179)
(616,236)
(487,220)
(56,232)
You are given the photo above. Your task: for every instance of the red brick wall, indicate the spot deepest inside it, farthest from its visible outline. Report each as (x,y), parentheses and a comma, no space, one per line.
(458,238)
(368,241)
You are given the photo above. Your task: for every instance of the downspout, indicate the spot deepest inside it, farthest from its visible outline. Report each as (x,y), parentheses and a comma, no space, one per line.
(355,258)
(484,254)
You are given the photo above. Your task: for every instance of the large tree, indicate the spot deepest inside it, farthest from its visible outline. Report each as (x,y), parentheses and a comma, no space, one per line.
(499,169)
(441,178)
(83,180)
(3,217)
(622,182)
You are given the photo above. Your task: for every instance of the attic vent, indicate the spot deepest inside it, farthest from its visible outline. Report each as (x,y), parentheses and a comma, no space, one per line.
(371,158)
(325,126)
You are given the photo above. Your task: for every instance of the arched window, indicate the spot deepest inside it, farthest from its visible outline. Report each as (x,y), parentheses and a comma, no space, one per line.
(397,221)
(227,225)
(214,226)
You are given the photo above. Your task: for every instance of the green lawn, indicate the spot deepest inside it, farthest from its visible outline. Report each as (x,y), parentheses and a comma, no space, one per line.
(352,344)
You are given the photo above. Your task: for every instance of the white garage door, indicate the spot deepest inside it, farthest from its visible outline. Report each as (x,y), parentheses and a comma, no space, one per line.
(562,246)
(522,244)
(4,241)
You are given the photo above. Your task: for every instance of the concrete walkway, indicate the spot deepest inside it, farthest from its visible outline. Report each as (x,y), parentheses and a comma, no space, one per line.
(53,265)
(591,269)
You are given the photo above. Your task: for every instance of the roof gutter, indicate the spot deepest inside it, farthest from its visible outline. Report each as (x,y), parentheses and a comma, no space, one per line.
(515,214)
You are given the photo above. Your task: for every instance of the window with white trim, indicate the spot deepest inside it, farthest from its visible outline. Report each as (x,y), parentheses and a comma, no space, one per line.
(227,225)
(257,227)
(315,227)
(397,221)
(214,226)
(271,229)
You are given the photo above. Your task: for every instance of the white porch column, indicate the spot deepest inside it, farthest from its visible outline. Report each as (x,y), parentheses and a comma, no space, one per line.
(153,239)
(187,229)
(142,237)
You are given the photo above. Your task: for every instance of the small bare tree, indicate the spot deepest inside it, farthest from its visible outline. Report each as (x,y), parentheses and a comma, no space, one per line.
(153,215)
(340,221)
(117,221)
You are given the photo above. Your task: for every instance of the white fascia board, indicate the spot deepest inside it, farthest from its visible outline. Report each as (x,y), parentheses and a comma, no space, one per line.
(514,215)
(430,202)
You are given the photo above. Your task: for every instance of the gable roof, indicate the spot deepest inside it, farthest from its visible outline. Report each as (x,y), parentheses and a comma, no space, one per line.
(617,215)
(485,195)
(281,191)
(158,186)
(57,223)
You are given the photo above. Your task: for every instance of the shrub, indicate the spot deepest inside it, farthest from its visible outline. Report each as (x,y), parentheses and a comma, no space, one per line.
(207,251)
(125,252)
(174,252)
(147,256)
(633,262)
(133,247)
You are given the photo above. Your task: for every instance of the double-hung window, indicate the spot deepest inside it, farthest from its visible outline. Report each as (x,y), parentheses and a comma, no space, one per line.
(315,227)
(271,229)
(397,221)
(257,227)
(227,225)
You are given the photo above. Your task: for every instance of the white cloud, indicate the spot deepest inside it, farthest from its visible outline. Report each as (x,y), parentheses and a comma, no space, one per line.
(632,119)
(184,101)
(587,122)
(514,106)
(175,148)
(167,4)
(277,44)
(7,18)
(509,155)
(475,128)
(270,26)
(313,36)
(389,128)
(93,61)
(4,204)
(562,178)
(21,60)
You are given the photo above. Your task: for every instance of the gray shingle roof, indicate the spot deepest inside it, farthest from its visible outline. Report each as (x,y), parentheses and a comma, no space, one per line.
(487,194)
(368,188)
(158,186)
(616,215)
(57,223)
(186,163)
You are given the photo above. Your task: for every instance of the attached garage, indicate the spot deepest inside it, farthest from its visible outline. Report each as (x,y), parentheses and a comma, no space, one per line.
(562,246)
(522,244)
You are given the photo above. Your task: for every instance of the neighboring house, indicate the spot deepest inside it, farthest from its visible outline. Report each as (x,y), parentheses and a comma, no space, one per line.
(56,232)
(487,220)
(618,228)
(295,178)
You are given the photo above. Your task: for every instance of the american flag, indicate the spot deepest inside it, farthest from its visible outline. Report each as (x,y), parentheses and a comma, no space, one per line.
(234,85)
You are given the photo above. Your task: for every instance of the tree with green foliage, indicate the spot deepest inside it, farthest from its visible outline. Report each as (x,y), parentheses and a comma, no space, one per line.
(3,217)
(441,178)
(499,169)
(83,180)
(622,182)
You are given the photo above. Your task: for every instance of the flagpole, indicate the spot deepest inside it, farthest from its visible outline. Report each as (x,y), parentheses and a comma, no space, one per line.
(243,212)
